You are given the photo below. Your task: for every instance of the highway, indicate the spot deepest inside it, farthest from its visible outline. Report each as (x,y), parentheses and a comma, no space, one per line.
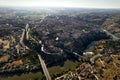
(45,70)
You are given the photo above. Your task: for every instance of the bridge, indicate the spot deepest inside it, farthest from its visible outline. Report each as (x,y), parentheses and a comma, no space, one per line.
(45,70)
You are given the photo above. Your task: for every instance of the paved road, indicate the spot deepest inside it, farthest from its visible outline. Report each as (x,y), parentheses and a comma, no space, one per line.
(92,60)
(45,70)
(112,35)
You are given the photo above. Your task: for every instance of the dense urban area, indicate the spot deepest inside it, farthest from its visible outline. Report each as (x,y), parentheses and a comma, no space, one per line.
(59,44)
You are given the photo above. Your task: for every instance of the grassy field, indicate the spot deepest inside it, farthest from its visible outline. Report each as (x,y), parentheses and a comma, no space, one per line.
(29,76)
(33,76)
(67,65)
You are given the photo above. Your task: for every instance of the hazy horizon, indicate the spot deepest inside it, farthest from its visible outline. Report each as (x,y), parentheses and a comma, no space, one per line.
(62,3)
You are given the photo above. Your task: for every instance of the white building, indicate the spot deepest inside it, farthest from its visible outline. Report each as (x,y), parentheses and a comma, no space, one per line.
(88,53)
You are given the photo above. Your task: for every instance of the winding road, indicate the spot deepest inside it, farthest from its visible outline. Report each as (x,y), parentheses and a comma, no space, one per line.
(112,35)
